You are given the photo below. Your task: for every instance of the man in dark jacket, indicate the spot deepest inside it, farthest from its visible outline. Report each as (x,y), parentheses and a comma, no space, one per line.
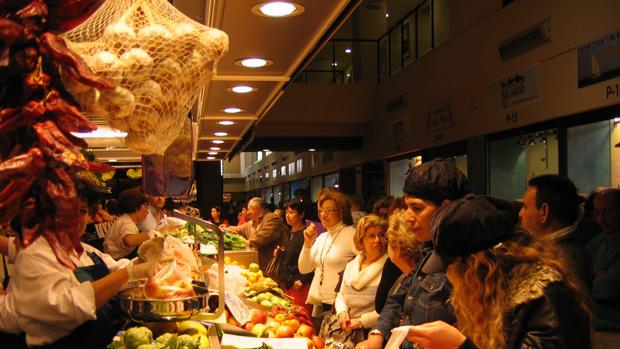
(550,210)
(422,296)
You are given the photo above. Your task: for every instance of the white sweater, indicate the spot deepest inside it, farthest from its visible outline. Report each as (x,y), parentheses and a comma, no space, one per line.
(333,259)
(360,303)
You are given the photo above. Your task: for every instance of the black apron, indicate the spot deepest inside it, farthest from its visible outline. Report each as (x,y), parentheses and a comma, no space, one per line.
(91,334)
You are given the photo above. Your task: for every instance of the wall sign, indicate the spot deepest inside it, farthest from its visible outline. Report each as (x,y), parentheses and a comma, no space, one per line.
(598,60)
(440,116)
(515,90)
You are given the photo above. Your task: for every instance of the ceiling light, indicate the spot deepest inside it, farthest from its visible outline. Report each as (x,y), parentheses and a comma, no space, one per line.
(221,134)
(254,62)
(100,133)
(215,148)
(210,157)
(278,9)
(112,160)
(347,50)
(232,110)
(335,64)
(311,149)
(217,141)
(387,15)
(242,89)
(226,122)
(212,153)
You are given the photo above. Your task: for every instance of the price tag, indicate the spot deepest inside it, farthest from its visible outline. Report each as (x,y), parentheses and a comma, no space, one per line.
(238,308)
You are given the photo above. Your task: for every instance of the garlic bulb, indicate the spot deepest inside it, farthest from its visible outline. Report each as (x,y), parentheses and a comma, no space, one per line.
(155,32)
(137,65)
(108,65)
(119,102)
(119,31)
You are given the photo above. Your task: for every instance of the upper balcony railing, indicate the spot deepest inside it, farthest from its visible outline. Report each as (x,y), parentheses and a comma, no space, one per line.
(372,61)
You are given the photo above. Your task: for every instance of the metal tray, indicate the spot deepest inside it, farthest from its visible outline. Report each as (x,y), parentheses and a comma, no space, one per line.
(155,310)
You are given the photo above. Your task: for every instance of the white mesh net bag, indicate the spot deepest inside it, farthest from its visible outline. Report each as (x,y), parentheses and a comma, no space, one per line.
(158,59)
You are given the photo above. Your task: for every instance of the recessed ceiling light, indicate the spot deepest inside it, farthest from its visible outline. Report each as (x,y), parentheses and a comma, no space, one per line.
(335,64)
(217,141)
(278,9)
(232,110)
(254,62)
(226,122)
(215,148)
(112,160)
(210,157)
(387,14)
(311,149)
(212,153)
(221,134)
(347,50)
(242,89)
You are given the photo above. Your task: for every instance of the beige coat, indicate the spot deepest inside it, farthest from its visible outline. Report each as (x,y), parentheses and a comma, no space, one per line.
(264,235)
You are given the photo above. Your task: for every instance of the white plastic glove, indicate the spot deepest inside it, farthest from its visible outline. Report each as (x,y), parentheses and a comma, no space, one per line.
(155,234)
(144,270)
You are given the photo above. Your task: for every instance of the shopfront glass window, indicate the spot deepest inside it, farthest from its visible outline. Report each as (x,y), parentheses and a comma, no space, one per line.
(589,155)
(331,180)
(514,160)
(317,185)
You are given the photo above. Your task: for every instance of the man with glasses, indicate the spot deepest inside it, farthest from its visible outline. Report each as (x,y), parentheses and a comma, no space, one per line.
(423,296)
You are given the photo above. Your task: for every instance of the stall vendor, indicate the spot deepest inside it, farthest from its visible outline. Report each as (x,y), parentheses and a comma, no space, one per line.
(48,305)
(124,238)
(155,217)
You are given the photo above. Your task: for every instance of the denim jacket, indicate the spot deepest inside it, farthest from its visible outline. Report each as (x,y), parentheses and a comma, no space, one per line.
(421,298)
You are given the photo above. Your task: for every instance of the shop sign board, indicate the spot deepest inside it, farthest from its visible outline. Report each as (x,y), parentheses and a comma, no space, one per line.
(598,60)
(440,116)
(515,90)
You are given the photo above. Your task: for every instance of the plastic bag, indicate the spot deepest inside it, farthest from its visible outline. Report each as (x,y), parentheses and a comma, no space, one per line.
(174,279)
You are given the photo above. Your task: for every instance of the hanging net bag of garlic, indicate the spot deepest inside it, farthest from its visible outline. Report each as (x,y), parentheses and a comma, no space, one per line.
(158,59)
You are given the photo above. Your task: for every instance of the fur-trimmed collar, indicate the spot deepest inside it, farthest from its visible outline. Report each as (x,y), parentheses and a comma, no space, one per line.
(527,281)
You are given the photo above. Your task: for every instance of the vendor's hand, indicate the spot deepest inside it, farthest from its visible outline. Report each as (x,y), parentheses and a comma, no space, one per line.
(276,251)
(309,235)
(354,324)
(137,271)
(436,335)
(344,321)
(298,285)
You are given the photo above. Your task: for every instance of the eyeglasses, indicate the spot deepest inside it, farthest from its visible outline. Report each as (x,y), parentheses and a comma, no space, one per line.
(374,236)
(328,210)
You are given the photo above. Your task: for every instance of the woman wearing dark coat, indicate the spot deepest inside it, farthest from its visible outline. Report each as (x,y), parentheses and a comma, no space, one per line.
(295,283)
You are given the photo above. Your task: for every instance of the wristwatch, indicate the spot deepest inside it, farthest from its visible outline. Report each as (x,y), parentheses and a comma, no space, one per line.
(374,331)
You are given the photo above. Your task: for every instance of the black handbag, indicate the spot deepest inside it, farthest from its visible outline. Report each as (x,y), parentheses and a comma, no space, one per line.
(273,267)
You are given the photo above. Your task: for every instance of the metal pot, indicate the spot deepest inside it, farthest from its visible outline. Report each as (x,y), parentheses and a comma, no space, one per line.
(153,310)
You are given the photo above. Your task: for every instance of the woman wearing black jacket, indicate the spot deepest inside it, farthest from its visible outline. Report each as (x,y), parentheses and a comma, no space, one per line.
(509,290)
(294,283)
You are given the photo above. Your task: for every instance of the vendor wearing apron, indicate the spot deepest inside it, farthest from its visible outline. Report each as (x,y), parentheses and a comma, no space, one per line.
(124,238)
(48,305)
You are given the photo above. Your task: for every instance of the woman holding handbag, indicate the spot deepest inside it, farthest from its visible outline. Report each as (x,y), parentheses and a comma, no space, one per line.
(294,283)
(354,309)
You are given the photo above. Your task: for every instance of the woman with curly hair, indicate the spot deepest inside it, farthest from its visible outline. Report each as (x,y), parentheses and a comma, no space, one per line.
(509,290)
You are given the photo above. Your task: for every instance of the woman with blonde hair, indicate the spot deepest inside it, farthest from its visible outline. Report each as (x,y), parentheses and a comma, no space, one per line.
(355,302)
(404,249)
(509,290)
(327,254)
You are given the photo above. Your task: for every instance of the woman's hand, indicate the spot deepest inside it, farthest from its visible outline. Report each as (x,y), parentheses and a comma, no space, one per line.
(354,324)
(436,335)
(344,321)
(309,235)
(277,250)
(298,285)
